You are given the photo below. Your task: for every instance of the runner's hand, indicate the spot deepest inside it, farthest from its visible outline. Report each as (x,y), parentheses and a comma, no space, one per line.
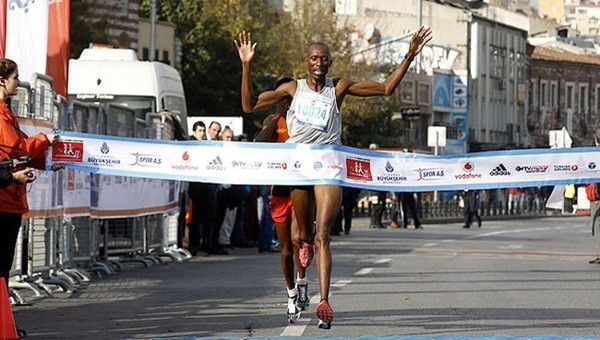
(421,37)
(245,47)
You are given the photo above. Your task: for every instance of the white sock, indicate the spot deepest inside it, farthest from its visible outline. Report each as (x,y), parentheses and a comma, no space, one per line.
(300,280)
(292,292)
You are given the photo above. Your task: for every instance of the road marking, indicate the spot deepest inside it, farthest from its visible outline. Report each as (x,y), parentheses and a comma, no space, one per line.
(363,271)
(297,328)
(430,245)
(511,246)
(382,261)
(341,283)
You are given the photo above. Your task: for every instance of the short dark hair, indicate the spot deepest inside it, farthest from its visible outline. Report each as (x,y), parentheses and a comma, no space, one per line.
(198,123)
(7,67)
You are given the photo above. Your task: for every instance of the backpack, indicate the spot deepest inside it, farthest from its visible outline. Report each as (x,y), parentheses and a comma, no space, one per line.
(590,192)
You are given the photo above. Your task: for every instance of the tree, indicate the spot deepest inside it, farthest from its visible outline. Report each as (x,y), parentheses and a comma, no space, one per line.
(211,70)
(210,66)
(85,31)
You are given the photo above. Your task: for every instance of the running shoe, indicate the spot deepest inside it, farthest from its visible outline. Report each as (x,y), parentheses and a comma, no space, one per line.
(325,314)
(293,313)
(303,298)
(306,254)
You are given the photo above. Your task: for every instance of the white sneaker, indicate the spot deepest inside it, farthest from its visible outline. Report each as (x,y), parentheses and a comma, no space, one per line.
(293,312)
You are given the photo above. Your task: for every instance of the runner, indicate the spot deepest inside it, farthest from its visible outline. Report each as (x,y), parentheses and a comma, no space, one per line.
(275,129)
(314,118)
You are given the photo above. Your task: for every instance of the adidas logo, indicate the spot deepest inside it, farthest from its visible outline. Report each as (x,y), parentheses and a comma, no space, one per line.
(500,170)
(216,164)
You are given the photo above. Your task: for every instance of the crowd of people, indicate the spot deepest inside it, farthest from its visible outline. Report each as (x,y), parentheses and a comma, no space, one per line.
(222,216)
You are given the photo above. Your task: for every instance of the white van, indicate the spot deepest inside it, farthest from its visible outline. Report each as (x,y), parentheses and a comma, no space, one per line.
(107,75)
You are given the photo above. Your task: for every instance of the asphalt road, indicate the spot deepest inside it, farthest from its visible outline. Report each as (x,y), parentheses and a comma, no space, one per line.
(521,278)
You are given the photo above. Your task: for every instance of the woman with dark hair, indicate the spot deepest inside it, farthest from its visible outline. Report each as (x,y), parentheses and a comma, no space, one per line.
(14,144)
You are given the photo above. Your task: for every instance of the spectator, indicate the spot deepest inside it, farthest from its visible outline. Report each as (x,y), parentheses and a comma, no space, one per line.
(202,228)
(471,202)
(409,208)
(14,143)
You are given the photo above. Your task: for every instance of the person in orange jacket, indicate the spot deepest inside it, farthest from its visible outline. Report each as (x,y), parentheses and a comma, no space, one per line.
(14,143)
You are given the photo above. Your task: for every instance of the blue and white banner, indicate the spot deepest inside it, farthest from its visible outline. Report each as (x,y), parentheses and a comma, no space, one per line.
(304,164)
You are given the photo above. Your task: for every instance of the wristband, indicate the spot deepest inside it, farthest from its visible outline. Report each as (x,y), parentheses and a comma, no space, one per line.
(409,58)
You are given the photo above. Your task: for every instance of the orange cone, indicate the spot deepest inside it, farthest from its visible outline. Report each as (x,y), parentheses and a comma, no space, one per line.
(7,322)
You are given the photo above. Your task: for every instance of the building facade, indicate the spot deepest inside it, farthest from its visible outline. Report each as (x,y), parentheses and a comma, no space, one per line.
(565,92)
(127,30)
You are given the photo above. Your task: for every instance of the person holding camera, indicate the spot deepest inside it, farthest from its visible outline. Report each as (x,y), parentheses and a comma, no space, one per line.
(15,144)
(21,177)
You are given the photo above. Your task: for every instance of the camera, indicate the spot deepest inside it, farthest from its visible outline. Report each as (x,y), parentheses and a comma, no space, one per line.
(11,163)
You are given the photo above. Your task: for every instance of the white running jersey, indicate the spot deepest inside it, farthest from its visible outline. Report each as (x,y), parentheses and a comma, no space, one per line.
(313,117)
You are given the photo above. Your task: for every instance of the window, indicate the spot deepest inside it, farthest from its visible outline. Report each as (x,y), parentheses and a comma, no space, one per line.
(145,53)
(597,106)
(423,95)
(407,92)
(569,94)
(583,102)
(544,93)
(165,57)
(553,94)
(534,93)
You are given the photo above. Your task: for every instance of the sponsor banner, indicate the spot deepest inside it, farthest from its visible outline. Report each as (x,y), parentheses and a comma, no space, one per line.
(302,164)
(76,193)
(118,196)
(42,193)
(72,193)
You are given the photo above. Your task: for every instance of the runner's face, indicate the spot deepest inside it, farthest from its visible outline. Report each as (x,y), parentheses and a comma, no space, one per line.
(318,61)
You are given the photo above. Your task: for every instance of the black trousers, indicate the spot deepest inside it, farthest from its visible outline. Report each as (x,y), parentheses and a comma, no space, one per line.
(204,215)
(409,206)
(9,230)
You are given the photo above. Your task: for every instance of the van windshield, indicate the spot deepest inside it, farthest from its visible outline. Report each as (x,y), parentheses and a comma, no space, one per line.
(139,104)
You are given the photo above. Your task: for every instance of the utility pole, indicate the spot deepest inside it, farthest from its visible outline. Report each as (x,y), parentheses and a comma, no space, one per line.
(419,24)
(152,31)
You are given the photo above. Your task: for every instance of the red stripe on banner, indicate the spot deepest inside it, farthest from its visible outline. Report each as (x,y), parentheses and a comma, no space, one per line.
(3,4)
(57,62)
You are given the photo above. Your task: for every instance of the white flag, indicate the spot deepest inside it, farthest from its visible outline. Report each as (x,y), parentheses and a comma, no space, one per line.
(27,36)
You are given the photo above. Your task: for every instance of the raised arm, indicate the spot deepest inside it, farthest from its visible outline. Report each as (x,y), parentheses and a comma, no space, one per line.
(368,88)
(250,102)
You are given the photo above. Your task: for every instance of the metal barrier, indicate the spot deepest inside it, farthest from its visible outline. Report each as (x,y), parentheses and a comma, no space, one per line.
(120,120)
(42,103)
(51,251)
(20,103)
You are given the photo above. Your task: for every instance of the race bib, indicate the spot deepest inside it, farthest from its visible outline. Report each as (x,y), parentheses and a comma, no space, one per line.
(313,108)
